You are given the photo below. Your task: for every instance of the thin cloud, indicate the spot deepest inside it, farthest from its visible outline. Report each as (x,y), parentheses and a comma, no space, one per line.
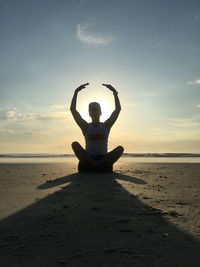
(53,116)
(197,17)
(198,105)
(14,116)
(188,123)
(148,94)
(194,82)
(129,104)
(155,131)
(82,3)
(87,37)
(57,107)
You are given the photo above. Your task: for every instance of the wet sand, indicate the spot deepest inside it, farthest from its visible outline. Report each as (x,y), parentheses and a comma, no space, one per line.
(143,214)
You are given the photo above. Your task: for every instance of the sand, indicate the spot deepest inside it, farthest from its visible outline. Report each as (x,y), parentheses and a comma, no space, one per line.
(143,214)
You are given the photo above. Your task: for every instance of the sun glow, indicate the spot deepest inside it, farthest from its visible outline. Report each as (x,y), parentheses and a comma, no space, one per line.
(106,110)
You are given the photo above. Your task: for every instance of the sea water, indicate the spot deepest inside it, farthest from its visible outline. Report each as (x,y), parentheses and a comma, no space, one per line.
(127,157)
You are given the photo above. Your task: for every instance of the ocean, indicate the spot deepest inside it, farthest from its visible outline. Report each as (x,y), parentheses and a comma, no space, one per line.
(127,157)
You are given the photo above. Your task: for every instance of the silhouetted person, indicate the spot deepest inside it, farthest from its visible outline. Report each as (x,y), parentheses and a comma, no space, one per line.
(95,156)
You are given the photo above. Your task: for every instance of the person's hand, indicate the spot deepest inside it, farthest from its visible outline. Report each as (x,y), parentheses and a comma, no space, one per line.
(81,87)
(109,86)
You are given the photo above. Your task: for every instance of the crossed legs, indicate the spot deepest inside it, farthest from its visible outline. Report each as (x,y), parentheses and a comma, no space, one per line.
(93,165)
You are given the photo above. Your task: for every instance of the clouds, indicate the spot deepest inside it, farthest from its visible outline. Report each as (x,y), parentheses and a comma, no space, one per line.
(82,3)
(186,123)
(28,132)
(196,82)
(58,107)
(84,34)
(12,115)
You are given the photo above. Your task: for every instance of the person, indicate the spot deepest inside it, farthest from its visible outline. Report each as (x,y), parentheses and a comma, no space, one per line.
(95,156)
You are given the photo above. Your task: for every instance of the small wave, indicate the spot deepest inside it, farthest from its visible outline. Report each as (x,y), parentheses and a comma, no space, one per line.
(165,155)
(36,155)
(144,155)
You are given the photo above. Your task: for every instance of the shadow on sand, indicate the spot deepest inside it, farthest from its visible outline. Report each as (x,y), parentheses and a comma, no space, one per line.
(93,221)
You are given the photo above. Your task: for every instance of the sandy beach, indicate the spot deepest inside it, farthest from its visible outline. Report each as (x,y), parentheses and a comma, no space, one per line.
(143,214)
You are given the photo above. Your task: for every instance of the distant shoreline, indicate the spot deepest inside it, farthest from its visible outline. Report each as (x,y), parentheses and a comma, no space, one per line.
(150,155)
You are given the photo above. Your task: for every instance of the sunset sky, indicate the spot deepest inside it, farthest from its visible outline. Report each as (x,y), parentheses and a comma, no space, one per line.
(149,50)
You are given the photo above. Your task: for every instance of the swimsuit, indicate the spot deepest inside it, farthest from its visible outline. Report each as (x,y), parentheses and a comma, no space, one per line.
(96,139)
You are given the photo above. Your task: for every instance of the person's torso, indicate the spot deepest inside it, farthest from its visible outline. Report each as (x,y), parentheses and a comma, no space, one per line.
(96,139)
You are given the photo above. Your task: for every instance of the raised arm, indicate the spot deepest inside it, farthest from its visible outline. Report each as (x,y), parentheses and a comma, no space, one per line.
(110,121)
(77,117)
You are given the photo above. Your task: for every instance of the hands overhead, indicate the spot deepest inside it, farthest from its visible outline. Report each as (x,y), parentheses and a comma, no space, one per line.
(110,87)
(81,87)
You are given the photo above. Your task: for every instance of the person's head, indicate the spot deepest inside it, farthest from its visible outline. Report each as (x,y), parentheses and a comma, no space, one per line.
(94,111)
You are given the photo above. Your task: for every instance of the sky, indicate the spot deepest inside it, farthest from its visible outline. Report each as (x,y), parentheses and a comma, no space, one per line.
(149,50)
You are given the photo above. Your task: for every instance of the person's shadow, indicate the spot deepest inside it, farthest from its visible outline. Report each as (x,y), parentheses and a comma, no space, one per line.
(93,221)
